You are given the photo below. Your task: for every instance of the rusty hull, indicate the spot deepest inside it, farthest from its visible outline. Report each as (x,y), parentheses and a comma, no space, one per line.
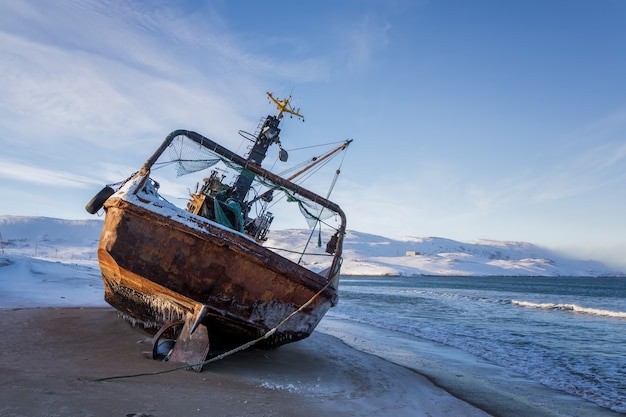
(157,269)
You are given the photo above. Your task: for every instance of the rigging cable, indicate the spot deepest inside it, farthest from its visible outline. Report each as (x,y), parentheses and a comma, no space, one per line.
(318,218)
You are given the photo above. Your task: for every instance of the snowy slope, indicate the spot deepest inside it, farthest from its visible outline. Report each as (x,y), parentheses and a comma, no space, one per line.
(439,256)
(67,241)
(49,262)
(50,238)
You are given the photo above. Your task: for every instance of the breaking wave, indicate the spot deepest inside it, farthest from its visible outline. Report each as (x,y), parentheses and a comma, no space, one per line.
(571,307)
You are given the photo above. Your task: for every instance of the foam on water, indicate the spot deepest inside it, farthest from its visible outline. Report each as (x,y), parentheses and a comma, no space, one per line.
(571,307)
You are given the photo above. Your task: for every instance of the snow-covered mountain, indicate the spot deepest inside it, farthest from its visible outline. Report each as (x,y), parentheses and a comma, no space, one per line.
(439,256)
(46,237)
(364,254)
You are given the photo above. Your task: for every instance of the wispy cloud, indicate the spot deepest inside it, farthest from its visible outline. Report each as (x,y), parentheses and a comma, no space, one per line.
(594,158)
(59,92)
(591,158)
(362,40)
(101,68)
(41,176)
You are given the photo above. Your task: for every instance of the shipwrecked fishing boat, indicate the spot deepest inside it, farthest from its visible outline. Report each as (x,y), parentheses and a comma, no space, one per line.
(200,276)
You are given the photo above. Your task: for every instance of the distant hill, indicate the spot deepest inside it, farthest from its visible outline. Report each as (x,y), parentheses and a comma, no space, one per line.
(440,256)
(50,238)
(364,254)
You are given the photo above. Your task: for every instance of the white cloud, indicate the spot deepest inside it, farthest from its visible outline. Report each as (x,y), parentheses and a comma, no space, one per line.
(40,176)
(114,69)
(51,92)
(362,40)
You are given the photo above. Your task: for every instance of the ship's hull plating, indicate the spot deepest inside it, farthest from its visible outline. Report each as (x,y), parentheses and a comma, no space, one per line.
(157,269)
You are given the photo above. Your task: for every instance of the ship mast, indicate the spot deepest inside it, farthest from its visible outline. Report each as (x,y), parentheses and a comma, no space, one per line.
(268,135)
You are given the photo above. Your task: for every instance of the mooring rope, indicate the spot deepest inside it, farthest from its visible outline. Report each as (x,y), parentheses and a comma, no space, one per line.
(230,352)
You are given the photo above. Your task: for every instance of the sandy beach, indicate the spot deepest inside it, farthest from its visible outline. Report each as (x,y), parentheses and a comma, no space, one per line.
(50,359)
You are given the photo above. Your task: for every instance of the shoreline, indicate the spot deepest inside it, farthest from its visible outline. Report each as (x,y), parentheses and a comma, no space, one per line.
(496,390)
(51,357)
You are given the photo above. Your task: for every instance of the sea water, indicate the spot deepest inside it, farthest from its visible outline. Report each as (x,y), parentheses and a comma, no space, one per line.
(566,333)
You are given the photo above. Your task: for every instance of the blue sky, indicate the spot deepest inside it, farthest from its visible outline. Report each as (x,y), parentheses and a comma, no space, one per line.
(490,119)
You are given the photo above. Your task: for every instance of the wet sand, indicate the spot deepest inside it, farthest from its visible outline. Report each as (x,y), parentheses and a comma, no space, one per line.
(50,359)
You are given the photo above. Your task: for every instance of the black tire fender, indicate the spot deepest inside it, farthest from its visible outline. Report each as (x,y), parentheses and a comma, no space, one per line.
(98,200)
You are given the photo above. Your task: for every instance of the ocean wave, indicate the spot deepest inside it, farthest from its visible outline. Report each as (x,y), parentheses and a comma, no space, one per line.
(570,307)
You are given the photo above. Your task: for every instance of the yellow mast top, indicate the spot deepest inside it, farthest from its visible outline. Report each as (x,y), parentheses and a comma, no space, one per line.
(284,107)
